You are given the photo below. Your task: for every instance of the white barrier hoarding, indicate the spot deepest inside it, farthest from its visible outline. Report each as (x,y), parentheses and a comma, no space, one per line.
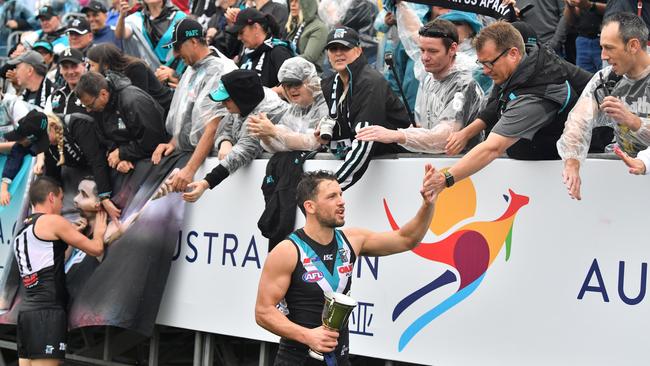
(572,291)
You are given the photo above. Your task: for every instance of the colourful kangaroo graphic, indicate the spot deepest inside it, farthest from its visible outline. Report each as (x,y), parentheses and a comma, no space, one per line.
(470,250)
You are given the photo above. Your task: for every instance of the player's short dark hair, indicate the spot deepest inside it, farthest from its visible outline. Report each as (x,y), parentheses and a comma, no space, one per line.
(41,187)
(308,186)
(90,84)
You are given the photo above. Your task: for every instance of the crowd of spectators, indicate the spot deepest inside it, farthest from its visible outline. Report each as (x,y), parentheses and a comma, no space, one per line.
(125,81)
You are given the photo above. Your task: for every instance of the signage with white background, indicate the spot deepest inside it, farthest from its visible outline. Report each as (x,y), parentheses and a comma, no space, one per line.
(572,291)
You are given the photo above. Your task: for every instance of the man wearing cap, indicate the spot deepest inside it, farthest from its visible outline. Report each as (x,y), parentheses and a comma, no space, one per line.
(448,97)
(65,100)
(31,138)
(242,93)
(80,35)
(193,117)
(357,96)
(129,120)
(51,28)
(97,14)
(30,75)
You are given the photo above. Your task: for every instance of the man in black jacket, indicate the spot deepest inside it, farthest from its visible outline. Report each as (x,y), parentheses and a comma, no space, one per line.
(64,100)
(357,96)
(531,100)
(129,119)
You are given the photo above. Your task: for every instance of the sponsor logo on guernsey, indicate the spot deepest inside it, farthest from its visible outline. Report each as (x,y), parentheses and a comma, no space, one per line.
(310,260)
(312,276)
(345,269)
(31,280)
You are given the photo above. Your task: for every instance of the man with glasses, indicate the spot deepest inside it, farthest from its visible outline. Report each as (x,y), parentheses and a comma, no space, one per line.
(532,98)
(357,96)
(129,120)
(448,97)
(612,100)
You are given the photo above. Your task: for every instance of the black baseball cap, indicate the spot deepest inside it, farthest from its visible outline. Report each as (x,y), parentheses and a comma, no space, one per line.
(244,87)
(248,16)
(33,127)
(79,26)
(46,12)
(345,36)
(185,29)
(71,55)
(95,6)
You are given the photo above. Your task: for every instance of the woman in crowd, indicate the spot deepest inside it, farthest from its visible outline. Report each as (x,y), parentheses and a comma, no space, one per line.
(147,31)
(306,33)
(105,56)
(301,86)
(263,52)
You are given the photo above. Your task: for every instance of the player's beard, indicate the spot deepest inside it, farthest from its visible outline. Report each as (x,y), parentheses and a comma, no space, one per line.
(330,222)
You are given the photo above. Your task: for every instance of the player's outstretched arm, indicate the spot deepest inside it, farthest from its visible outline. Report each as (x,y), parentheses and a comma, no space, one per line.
(408,236)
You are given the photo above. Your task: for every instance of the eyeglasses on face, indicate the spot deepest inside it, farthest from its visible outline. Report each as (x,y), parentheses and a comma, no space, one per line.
(490,64)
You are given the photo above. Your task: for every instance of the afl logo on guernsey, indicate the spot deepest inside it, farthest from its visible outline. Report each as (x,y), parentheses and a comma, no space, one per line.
(312,276)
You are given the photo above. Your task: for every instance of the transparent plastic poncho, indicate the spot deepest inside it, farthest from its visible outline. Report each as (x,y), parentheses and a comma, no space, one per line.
(586,115)
(234,128)
(296,127)
(12,109)
(441,106)
(191,108)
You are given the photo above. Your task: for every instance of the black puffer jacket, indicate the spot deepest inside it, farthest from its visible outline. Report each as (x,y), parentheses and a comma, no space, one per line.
(131,121)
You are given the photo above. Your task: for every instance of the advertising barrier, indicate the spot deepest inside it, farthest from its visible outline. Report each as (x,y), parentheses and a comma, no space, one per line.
(511,272)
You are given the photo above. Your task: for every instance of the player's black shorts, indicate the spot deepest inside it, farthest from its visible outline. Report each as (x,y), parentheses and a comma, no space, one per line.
(42,333)
(292,355)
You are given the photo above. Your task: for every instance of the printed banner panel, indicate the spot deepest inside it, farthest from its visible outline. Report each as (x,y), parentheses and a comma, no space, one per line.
(123,287)
(511,272)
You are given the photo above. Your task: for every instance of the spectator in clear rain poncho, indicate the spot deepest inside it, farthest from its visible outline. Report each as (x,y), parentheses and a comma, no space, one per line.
(468,25)
(193,117)
(12,109)
(242,93)
(301,85)
(616,96)
(448,97)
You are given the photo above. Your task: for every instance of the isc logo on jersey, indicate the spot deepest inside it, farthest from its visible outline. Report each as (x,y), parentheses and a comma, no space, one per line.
(312,276)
